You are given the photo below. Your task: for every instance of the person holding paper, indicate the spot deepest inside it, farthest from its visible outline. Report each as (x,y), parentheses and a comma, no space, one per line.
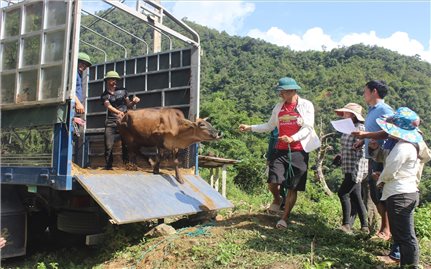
(355,169)
(344,126)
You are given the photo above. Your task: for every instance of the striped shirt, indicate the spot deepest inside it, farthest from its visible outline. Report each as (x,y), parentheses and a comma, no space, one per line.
(353,161)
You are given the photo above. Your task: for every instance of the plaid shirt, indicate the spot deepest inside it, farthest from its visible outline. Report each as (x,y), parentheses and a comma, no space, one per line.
(353,161)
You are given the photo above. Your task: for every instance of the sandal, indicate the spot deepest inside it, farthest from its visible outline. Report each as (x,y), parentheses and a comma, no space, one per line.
(274,208)
(281,224)
(381,236)
(345,229)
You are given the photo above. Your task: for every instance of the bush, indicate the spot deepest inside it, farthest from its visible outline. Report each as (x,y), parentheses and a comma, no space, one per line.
(251,175)
(422,221)
(425,185)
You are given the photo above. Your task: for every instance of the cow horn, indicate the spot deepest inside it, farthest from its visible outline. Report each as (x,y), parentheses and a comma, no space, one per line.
(206,118)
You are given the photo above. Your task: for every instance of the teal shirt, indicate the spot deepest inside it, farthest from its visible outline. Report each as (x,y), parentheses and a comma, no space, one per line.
(273,139)
(375,112)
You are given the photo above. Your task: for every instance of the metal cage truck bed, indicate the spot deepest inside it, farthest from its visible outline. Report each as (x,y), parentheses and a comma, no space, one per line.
(51,179)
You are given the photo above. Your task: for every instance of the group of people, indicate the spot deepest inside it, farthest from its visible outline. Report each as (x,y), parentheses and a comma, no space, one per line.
(115,99)
(386,148)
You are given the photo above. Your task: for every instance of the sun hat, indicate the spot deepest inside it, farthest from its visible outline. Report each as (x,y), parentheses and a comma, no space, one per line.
(82,56)
(112,74)
(352,108)
(403,125)
(287,83)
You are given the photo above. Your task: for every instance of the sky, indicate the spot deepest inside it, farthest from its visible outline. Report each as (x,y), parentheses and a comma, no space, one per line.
(402,26)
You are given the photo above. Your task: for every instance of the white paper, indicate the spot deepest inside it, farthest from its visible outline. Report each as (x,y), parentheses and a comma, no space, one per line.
(344,126)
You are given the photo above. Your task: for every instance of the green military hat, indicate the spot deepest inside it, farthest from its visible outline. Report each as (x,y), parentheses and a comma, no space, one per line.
(112,74)
(82,56)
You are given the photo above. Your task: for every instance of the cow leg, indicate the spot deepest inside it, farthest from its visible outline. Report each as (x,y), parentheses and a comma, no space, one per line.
(133,154)
(178,174)
(156,163)
(132,165)
(129,153)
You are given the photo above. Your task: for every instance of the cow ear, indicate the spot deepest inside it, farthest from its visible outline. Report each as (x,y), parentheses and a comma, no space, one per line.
(186,123)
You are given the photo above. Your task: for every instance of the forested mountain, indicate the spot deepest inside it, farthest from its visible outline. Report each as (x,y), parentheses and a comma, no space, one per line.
(246,69)
(238,75)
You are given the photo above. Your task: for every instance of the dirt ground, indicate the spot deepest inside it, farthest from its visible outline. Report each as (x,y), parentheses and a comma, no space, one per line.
(176,249)
(161,248)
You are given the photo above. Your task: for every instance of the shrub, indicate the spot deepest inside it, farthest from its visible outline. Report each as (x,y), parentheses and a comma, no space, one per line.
(422,221)
(251,175)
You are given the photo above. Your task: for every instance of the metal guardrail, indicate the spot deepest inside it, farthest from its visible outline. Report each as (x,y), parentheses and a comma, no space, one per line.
(24,160)
(27,147)
(159,80)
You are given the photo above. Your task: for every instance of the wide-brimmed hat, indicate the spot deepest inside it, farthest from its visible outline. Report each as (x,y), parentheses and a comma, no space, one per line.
(287,83)
(352,108)
(403,125)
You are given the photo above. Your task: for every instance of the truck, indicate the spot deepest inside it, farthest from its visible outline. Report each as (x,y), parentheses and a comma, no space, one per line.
(50,180)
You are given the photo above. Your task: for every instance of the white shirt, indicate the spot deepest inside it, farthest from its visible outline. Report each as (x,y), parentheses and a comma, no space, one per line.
(306,134)
(400,171)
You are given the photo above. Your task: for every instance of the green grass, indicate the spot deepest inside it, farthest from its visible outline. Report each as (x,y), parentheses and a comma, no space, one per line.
(244,239)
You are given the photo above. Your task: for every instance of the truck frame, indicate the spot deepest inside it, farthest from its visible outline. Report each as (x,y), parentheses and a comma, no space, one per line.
(47,183)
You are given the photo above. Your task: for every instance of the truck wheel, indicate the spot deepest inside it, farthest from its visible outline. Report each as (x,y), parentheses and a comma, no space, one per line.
(60,238)
(37,223)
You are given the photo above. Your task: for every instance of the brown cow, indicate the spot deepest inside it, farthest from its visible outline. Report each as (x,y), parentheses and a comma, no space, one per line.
(163,128)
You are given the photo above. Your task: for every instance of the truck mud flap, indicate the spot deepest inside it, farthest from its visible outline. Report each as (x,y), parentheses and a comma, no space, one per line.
(136,197)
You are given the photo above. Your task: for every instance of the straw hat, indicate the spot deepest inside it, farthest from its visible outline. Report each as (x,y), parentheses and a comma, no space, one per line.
(352,108)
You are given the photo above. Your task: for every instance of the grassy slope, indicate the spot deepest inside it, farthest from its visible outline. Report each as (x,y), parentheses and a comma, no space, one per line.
(245,238)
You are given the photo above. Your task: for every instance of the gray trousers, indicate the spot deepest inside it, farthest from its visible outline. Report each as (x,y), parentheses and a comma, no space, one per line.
(110,132)
(400,209)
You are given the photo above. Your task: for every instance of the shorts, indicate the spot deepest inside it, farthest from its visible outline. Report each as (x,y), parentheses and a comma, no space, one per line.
(279,165)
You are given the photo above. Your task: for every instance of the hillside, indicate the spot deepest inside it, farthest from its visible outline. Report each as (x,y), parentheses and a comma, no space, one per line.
(246,69)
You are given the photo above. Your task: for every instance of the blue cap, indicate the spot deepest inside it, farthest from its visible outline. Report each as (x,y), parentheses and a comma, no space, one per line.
(287,83)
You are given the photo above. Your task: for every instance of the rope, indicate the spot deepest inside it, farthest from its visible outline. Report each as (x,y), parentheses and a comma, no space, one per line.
(290,173)
(202,230)
(198,232)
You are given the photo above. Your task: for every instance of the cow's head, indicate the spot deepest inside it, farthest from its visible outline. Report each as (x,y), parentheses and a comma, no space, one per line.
(206,129)
(203,130)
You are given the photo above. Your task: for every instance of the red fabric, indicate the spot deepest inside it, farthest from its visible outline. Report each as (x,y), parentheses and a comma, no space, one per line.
(288,123)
